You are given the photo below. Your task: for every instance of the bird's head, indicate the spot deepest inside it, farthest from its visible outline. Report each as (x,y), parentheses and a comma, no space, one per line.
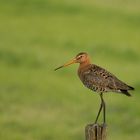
(79,58)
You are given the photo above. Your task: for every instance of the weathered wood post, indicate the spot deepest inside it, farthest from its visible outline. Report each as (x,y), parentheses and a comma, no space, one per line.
(95,132)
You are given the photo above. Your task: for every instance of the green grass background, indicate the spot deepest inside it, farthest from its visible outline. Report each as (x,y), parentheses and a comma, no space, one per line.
(36,36)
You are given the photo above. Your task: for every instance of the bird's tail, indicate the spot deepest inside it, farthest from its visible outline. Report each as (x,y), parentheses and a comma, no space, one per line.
(130,88)
(124,91)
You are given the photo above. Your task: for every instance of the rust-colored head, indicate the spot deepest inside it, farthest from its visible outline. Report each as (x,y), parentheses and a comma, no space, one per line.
(80,58)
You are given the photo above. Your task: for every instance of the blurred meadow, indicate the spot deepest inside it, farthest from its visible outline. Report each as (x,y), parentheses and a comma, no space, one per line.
(36,36)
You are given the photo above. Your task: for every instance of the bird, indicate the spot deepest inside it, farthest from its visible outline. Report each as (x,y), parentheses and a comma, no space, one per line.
(98,80)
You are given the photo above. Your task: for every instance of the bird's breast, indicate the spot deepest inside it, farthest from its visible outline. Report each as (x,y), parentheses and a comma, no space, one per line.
(89,78)
(83,73)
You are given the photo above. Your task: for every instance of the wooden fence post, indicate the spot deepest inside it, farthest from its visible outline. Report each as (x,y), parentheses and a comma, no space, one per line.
(95,132)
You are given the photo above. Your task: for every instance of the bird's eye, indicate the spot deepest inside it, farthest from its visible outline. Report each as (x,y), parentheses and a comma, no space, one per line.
(80,57)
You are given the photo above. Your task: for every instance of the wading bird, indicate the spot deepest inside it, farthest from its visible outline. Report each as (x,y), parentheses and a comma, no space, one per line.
(98,79)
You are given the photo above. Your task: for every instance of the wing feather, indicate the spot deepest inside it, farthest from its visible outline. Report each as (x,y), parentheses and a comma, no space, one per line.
(99,79)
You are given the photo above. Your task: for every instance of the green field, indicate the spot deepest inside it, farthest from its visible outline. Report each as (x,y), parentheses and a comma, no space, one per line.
(36,36)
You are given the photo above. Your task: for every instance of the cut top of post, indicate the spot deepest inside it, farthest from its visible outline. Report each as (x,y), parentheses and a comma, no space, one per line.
(95,132)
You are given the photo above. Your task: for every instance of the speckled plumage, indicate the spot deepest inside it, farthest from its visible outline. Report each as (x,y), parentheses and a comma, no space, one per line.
(100,80)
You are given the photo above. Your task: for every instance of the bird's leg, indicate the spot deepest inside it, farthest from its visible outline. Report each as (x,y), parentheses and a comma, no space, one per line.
(99,112)
(104,109)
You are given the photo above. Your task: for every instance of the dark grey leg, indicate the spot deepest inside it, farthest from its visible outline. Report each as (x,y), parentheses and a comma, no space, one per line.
(104,108)
(99,111)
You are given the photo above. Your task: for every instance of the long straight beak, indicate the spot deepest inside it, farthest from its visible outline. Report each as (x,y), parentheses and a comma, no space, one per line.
(67,64)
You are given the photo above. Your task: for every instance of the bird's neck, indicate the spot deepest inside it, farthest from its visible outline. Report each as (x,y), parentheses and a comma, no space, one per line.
(82,67)
(84,64)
